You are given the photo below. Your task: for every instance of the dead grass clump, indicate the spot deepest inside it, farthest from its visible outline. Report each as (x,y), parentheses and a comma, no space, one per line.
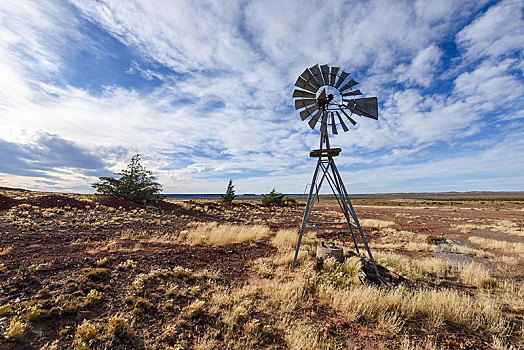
(85,335)
(285,239)
(16,329)
(299,335)
(118,327)
(512,247)
(512,294)
(215,234)
(92,297)
(287,258)
(476,275)
(412,268)
(435,306)
(195,309)
(456,308)
(374,223)
(6,250)
(504,226)
(408,344)
(95,274)
(126,265)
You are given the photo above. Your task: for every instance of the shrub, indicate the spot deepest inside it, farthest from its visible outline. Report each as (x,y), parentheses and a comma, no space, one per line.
(273,197)
(288,199)
(136,184)
(230,193)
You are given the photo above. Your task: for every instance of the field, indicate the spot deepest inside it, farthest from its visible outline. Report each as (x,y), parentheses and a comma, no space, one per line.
(87,273)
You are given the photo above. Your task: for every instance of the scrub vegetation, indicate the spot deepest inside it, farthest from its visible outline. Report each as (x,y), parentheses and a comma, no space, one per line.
(86,273)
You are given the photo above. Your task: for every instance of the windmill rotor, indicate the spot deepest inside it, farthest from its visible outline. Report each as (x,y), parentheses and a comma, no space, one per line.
(326,94)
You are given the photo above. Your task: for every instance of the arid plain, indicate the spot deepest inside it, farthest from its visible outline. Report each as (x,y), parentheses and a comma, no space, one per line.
(91,273)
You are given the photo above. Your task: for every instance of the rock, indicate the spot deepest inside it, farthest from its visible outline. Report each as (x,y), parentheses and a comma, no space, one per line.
(326,250)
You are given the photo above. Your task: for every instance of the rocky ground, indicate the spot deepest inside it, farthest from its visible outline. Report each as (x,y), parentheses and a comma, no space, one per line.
(84,272)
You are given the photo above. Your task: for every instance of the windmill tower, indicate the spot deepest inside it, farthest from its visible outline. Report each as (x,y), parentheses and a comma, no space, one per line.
(326,97)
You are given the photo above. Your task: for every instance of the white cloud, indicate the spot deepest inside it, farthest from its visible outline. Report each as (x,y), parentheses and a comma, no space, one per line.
(236,62)
(422,68)
(496,33)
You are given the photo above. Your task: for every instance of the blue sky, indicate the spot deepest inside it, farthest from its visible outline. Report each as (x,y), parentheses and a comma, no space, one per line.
(202,90)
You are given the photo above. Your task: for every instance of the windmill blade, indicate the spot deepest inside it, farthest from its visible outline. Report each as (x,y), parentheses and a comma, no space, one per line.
(347,116)
(352,93)
(304,102)
(333,75)
(325,73)
(300,93)
(308,111)
(313,122)
(322,95)
(317,74)
(342,122)
(348,85)
(308,76)
(333,124)
(302,83)
(341,79)
(367,107)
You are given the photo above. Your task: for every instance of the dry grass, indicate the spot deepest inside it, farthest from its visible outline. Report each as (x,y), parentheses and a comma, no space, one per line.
(6,250)
(215,234)
(415,269)
(476,275)
(435,306)
(300,335)
(16,329)
(375,223)
(285,239)
(504,226)
(511,247)
(85,333)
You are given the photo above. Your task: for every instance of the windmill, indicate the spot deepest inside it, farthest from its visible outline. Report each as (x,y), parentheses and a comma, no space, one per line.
(326,96)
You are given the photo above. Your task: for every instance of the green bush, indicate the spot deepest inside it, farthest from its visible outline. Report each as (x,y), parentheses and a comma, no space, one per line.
(136,184)
(273,197)
(288,199)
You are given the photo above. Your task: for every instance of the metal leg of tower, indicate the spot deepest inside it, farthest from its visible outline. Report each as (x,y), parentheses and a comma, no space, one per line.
(354,215)
(306,211)
(341,203)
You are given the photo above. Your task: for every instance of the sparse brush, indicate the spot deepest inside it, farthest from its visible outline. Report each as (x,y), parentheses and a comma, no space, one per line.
(102,262)
(95,274)
(374,223)
(16,329)
(300,335)
(92,297)
(126,265)
(477,275)
(285,239)
(85,333)
(195,309)
(118,327)
(512,247)
(412,268)
(215,234)
(5,250)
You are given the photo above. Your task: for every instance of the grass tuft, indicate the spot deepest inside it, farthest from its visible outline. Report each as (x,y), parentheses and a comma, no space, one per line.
(215,234)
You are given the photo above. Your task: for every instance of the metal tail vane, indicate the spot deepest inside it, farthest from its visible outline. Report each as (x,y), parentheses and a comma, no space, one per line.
(325,94)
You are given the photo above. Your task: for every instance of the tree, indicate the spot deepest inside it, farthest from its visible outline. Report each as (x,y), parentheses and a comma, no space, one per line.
(135,184)
(273,197)
(230,193)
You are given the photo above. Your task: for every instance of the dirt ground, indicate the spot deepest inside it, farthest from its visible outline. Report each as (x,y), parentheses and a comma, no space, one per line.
(83,272)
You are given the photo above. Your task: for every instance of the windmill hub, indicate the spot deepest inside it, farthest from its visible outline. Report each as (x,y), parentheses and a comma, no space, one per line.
(325,94)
